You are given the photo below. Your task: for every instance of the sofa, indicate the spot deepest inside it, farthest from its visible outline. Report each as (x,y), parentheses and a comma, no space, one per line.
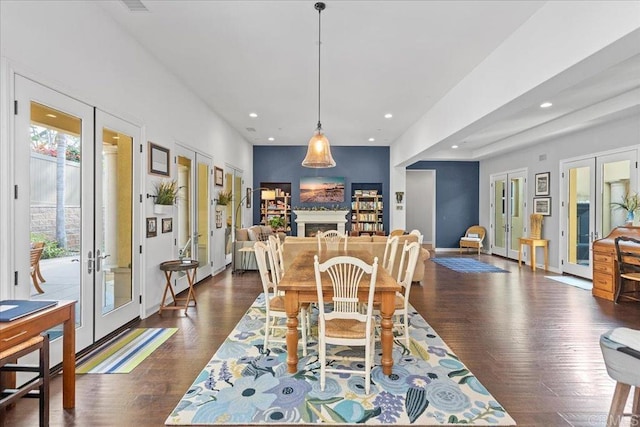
(246,238)
(374,244)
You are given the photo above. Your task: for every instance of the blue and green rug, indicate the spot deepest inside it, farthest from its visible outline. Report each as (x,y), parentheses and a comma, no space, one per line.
(467,265)
(245,385)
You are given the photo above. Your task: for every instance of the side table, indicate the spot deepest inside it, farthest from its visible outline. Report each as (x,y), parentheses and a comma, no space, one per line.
(189,266)
(245,257)
(533,244)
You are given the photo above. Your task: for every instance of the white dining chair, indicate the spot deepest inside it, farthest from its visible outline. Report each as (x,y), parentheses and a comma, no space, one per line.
(276,258)
(416,232)
(331,239)
(342,323)
(408,260)
(389,257)
(276,315)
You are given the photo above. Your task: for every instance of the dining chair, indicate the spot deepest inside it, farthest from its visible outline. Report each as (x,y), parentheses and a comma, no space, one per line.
(628,268)
(416,232)
(276,258)
(331,238)
(276,315)
(342,323)
(389,257)
(410,253)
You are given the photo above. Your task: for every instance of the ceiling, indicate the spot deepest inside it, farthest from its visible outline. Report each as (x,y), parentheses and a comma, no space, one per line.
(397,57)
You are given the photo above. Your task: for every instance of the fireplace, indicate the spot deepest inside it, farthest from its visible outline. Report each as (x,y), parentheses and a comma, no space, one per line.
(329,220)
(311,230)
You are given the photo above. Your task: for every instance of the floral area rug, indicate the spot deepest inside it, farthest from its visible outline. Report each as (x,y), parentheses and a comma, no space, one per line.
(244,384)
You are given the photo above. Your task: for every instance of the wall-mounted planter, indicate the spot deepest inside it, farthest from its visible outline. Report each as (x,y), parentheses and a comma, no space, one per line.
(163,209)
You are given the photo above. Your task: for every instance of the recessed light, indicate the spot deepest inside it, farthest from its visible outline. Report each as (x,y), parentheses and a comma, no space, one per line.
(271,138)
(388,116)
(546,105)
(53,116)
(371,139)
(454,146)
(253,115)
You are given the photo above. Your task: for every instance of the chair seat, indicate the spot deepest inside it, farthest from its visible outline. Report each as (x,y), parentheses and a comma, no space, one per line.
(345,328)
(471,239)
(631,276)
(277,304)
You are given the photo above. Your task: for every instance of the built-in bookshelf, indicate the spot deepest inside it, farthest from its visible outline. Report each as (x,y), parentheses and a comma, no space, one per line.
(275,201)
(367,209)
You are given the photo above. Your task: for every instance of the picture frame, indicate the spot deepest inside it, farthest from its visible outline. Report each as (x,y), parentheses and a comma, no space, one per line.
(152,227)
(542,205)
(167,225)
(542,184)
(218,218)
(322,189)
(218,176)
(248,197)
(159,160)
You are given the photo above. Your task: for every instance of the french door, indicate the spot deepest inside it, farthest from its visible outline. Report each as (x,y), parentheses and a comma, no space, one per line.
(590,185)
(193,231)
(74,192)
(508,212)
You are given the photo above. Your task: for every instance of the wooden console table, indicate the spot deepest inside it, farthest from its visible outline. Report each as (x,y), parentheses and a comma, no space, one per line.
(604,262)
(533,244)
(24,328)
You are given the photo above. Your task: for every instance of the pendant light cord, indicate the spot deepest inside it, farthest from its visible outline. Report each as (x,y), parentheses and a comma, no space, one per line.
(319,45)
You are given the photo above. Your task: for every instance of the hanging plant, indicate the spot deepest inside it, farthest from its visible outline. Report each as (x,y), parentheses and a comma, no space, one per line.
(224,197)
(167,193)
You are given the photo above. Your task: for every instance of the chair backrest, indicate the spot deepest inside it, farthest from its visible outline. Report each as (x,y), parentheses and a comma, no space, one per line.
(331,238)
(396,232)
(261,251)
(276,259)
(476,231)
(535,226)
(345,273)
(628,254)
(36,253)
(408,260)
(417,233)
(389,257)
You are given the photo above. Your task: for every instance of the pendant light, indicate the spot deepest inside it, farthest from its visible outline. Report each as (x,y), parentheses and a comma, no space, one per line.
(319,151)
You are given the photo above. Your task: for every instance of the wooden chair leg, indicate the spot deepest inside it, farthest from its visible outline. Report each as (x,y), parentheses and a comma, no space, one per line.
(34,279)
(39,273)
(617,404)
(635,409)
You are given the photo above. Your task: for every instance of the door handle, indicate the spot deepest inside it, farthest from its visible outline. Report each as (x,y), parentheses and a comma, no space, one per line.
(99,259)
(90,262)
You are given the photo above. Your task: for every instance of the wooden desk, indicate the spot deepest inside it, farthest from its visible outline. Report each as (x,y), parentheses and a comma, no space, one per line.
(533,244)
(189,267)
(605,263)
(299,286)
(27,327)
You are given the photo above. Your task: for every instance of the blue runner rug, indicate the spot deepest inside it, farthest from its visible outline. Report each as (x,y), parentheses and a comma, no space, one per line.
(467,265)
(243,385)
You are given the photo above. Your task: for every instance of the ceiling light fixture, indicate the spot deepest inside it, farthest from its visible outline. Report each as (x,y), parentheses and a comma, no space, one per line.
(253,115)
(371,139)
(271,138)
(319,151)
(388,116)
(454,146)
(546,105)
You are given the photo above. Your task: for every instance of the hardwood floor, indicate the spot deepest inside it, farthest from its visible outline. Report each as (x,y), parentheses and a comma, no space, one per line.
(531,341)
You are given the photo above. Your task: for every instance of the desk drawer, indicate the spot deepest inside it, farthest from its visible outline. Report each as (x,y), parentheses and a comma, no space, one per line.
(602,257)
(603,281)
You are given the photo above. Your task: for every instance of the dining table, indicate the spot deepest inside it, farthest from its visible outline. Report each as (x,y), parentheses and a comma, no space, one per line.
(299,287)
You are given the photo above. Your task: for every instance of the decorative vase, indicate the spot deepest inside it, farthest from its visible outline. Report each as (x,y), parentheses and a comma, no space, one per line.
(163,209)
(630,216)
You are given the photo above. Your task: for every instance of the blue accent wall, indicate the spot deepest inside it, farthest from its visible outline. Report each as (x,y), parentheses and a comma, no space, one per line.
(457,199)
(355,164)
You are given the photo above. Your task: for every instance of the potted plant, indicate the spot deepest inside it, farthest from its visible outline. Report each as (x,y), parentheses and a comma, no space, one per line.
(276,222)
(630,203)
(165,197)
(224,197)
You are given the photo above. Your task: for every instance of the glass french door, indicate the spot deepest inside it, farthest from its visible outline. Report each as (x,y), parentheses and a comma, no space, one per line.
(194,232)
(71,211)
(508,212)
(590,186)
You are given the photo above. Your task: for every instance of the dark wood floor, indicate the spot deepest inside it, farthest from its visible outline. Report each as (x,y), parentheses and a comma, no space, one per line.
(531,341)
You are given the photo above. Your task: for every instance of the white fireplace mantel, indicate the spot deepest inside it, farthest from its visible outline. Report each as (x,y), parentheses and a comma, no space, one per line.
(337,217)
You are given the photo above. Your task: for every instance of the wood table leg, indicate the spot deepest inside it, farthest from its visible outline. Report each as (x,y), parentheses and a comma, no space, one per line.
(546,257)
(292,306)
(520,255)
(69,360)
(533,256)
(387,308)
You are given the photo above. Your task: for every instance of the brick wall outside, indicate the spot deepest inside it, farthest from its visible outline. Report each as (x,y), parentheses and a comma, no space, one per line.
(43,221)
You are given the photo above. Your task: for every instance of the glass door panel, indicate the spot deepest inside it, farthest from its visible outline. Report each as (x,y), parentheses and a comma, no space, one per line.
(499,246)
(203,209)
(518,222)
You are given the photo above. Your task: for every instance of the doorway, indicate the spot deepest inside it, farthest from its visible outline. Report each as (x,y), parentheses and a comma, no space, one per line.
(508,212)
(590,186)
(74,199)
(421,203)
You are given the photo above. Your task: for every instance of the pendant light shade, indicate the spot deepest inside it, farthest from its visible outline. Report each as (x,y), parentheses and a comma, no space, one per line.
(319,150)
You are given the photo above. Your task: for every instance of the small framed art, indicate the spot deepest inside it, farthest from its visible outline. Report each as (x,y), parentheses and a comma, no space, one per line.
(248,197)
(167,225)
(542,184)
(542,205)
(218,176)
(152,227)
(158,160)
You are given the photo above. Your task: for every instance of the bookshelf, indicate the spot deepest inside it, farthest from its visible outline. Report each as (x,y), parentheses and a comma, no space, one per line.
(367,209)
(275,201)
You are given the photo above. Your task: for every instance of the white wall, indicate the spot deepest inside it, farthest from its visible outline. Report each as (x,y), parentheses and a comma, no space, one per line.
(612,135)
(75,48)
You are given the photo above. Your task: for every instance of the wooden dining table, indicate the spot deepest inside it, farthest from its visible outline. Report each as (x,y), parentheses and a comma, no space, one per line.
(299,286)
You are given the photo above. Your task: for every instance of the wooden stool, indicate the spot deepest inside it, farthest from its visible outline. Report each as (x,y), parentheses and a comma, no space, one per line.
(37,387)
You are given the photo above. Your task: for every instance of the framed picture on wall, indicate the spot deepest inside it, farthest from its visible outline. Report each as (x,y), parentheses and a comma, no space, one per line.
(158,160)
(542,205)
(248,197)
(542,184)
(218,176)
(167,225)
(152,227)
